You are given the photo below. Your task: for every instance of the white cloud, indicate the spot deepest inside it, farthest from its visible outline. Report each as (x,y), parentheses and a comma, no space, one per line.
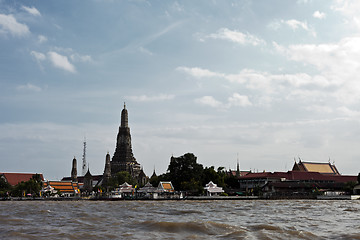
(303,1)
(9,24)
(295,24)
(80,58)
(348,112)
(236,36)
(146,51)
(208,101)
(145,98)
(253,79)
(236,100)
(28,87)
(338,65)
(319,15)
(319,109)
(350,9)
(61,62)
(199,72)
(42,39)
(239,100)
(32,10)
(38,55)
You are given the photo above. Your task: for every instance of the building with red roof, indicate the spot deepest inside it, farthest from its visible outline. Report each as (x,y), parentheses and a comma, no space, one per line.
(15,178)
(302,180)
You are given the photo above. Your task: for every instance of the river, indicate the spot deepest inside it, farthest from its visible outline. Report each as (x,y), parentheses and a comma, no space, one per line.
(231,219)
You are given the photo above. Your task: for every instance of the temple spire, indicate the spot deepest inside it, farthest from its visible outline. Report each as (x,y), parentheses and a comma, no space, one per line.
(124,117)
(74,171)
(238,167)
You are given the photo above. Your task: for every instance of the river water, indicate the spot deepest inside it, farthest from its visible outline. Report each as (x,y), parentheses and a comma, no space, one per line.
(229,219)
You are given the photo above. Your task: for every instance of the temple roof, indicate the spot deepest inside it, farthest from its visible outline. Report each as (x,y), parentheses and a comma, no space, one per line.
(166,186)
(324,168)
(213,188)
(63,187)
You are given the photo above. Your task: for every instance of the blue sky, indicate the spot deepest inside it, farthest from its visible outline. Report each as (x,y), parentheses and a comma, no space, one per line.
(260,81)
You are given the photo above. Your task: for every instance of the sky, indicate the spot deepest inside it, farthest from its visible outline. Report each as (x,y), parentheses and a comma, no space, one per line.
(260,82)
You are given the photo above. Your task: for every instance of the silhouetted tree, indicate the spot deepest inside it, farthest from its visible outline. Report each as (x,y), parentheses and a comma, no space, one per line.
(5,187)
(124,176)
(185,173)
(209,174)
(33,187)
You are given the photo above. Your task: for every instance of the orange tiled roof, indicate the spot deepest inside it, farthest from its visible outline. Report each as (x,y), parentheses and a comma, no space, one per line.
(324,168)
(15,178)
(166,186)
(64,187)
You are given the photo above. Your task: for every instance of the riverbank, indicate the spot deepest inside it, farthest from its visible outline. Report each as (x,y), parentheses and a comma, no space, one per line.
(187,198)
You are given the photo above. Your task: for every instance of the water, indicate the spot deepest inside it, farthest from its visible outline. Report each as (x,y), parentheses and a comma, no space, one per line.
(244,219)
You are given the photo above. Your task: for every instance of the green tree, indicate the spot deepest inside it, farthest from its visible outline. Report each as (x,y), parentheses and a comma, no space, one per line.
(124,176)
(33,187)
(185,173)
(209,174)
(231,182)
(5,187)
(349,187)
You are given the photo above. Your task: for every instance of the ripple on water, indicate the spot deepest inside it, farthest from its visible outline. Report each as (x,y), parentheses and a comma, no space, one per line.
(198,228)
(268,231)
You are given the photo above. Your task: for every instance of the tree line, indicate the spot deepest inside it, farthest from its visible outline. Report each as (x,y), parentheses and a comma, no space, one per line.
(187,175)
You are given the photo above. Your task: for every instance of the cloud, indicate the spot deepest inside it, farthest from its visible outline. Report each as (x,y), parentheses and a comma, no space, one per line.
(208,101)
(239,100)
(236,37)
(28,87)
(42,39)
(32,10)
(337,63)
(145,98)
(236,100)
(349,9)
(9,24)
(319,109)
(146,51)
(80,58)
(303,1)
(319,15)
(253,79)
(199,72)
(348,112)
(61,62)
(38,55)
(295,24)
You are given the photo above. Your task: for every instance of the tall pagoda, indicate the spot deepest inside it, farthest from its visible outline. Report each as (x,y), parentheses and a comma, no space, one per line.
(123,159)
